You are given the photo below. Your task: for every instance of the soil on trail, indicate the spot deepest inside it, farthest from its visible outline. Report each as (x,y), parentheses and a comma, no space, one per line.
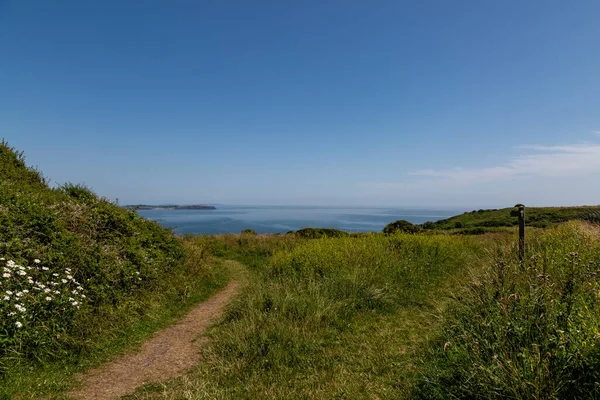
(166,355)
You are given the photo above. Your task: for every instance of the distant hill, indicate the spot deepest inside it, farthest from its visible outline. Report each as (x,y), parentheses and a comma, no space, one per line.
(170,207)
(540,217)
(481,221)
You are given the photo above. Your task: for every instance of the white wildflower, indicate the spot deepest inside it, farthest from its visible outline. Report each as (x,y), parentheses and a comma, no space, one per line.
(47,290)
(8,292)
(57,292)
(48,298)
(12,313)
(45,268)
(19,294)
(20,308)
(83,296)
(63,280)
(18,324)
(20,272)
(69,277)
(71,299)
(55,274)
(6,275)
(75,303)
(6,298)
(37,261)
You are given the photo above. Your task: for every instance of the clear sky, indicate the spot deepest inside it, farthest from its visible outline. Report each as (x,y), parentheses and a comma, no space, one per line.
(420,103)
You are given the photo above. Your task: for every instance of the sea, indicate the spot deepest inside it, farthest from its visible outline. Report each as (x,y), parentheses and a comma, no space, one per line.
(282,219)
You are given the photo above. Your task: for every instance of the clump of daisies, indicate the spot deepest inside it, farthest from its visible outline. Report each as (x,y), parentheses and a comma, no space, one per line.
(30,294)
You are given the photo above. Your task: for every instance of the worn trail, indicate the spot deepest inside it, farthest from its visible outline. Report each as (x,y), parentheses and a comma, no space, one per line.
(168,354)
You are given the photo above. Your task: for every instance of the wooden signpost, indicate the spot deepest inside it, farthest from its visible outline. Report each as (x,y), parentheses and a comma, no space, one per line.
(520,212)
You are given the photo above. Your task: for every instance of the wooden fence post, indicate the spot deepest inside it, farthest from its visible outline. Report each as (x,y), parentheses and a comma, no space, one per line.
(520,212)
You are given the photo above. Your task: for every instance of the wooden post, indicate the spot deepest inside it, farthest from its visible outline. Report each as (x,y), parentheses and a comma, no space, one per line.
(520,212)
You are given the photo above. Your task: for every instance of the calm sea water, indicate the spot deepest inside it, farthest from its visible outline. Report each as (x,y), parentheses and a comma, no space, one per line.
(281,219)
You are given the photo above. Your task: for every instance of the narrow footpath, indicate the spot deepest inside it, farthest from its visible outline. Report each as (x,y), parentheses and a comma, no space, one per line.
(169,353)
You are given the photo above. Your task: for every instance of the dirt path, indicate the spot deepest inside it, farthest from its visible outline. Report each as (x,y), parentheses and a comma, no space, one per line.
(166,355)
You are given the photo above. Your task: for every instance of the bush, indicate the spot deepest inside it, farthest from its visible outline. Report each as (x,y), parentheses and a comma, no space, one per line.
(71,260)
(401,226)
(316,233)
(249,232)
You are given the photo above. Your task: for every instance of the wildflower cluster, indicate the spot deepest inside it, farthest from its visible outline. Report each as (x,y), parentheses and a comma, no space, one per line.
(30,294)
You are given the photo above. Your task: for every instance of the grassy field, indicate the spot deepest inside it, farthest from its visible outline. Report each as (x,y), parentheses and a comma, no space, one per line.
(405,316)
(327,318)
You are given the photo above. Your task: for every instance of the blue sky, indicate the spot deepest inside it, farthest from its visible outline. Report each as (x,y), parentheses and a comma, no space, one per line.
(428,103)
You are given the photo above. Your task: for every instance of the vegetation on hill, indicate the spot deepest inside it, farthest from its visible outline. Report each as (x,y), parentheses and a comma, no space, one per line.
(77,268)
(538,217)
(478,222)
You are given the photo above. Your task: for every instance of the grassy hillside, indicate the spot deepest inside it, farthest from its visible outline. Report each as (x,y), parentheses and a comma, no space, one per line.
(540,217)
(77,269)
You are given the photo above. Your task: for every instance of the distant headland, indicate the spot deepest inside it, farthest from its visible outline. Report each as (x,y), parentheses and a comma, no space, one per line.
(169,207)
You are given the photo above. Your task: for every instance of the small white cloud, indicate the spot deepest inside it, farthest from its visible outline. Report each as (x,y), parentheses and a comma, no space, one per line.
(547,161)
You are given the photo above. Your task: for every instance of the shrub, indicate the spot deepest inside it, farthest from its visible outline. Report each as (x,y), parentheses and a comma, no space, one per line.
(249,232)
(88,246)
(401,226)
(316,233)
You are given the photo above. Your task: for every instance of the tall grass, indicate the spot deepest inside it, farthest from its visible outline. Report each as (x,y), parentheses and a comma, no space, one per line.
(527,331)
(325,318)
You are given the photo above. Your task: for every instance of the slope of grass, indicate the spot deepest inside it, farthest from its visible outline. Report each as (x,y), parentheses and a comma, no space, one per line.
(540,217)
(81,277)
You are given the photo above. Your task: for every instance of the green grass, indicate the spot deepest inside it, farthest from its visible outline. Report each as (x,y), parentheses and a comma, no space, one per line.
(326,318)
(407,316)
(527,331)
(538,217)
(123,330)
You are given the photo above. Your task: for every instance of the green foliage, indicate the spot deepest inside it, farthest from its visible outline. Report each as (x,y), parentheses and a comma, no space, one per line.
(401,226)
(529,331)
(539,217)
(316,233)
(249,232)
(77,264)
(324,318)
